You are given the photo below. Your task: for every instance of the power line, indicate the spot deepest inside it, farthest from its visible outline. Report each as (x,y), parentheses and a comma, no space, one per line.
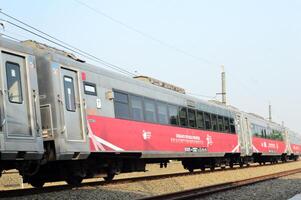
(88,55)
(146,35)
(10,37)
(149,36)
(64,44)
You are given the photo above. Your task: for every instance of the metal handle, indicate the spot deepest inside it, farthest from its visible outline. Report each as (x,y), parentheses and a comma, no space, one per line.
(35,110)
(3,120)
(61,111)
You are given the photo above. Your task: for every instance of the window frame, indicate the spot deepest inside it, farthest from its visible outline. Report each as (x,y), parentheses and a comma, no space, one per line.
(209,114)
(121,102)
(219,117)
(177,117)
(144,109)
(225,120)
(66,76)
(232,124)
(157,112)
(203,120)
(216,122)
(131,107)
(21,90)
(188,117)
(86,83)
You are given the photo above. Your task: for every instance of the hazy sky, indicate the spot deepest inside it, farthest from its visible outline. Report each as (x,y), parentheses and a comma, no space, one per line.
(259,42)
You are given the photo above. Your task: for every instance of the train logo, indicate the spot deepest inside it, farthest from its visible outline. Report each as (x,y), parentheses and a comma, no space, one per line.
(146,135)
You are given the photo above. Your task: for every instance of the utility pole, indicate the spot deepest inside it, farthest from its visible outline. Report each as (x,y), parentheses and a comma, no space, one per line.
(223,93)
(270,112)
(224,98)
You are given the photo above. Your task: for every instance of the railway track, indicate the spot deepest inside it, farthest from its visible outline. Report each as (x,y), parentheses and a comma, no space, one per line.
(61,187)
(205,191)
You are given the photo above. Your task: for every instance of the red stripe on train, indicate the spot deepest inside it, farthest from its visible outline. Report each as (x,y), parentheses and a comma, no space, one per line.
(123,135)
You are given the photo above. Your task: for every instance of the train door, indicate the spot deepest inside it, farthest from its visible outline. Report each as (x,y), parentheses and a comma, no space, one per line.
(72,106)
(20,136)
(248,136)
(243,133)
(17,121)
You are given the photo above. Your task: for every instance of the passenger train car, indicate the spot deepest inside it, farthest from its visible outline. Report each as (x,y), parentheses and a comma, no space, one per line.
(63,119)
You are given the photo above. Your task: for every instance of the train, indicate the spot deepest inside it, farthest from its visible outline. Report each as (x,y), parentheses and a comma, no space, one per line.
(62,119)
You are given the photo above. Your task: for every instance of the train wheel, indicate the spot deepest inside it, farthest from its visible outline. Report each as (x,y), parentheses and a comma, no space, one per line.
(37,183)
(231,165)
(203,168)
(212,167)
(241,164)
(109,177)
(74,180)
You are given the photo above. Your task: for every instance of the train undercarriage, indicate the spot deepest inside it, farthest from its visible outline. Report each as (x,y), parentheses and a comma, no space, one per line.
(106,167)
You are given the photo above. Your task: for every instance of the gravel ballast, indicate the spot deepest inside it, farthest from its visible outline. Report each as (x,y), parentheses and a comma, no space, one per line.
(134,190)
(277,189)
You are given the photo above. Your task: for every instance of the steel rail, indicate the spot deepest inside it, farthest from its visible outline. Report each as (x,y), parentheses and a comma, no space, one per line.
(61,187)
(205,191)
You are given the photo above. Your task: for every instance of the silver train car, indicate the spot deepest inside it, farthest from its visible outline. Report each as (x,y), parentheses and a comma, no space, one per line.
(63,119)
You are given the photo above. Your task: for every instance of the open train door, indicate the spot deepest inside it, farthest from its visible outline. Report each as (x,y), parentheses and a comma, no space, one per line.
(74,126)
(19,120)
(244,135)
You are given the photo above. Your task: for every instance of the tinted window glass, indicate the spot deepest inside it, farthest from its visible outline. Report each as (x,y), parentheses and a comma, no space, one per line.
(150,110)
(207,121)
(232,126)
(221,124)
(90,88)
(200,120)
(173,114)
(14,87)
(191,118)
(121,105)
(69,94)
(162,113)
(121,97)
(183,116)
(226,122)
(136,106)
(214,122)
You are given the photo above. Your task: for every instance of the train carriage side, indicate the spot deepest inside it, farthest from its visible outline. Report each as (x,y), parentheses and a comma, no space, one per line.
(130,117)
(21,143)
(268,140)
(294,144)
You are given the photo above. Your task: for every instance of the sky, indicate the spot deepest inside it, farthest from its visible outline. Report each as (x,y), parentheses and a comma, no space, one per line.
(185,42)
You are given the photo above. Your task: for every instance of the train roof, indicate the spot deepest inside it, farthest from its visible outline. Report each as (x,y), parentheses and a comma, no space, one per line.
(69,59)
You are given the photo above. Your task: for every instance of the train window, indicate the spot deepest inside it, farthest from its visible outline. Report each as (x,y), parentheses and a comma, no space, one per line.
(207,121)
(90,88)
(150,110)
(183,116)
(136,108)
(226,123)
(14,86)
(214,122)
(162,113)
(69,94)
(191,118)
(220,124)
(173,115)
(200,120)
(121,105)
(232,125)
